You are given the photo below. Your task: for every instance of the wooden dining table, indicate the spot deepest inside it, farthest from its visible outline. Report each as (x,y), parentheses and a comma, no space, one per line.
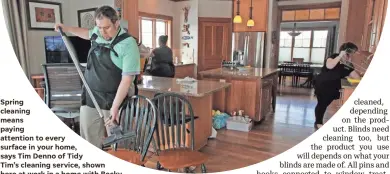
(294,67)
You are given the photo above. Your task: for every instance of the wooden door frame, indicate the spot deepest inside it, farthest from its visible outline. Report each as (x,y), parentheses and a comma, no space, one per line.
(298,7)
(200,35)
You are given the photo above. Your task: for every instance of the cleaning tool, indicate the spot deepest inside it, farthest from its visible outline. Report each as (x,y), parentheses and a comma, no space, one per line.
(116,130)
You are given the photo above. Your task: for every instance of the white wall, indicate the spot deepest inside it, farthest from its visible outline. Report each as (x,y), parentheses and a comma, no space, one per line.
(188,55)
(217,9)
(76,5)
(36,47)
(161,7)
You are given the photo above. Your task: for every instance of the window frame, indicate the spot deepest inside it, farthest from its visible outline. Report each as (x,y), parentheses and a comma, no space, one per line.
(312,30)
(154,18)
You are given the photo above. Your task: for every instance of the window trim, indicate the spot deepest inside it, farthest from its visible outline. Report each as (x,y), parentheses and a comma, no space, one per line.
(311,41)
(154,18)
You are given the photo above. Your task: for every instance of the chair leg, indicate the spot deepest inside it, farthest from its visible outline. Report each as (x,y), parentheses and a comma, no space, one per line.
(158,166)
(203,167)
(73,124)
(187,170)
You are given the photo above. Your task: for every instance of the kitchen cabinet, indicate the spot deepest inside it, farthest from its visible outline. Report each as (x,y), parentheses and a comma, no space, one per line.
(365,33)
(266,92)
(373,26)
(259,15)
(364,27)
(252,90)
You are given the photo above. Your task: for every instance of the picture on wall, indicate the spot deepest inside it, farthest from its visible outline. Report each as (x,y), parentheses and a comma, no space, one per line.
(43,15)
(86,18)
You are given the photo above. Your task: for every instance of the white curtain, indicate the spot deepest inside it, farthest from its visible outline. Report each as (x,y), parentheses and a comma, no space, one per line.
(16,20)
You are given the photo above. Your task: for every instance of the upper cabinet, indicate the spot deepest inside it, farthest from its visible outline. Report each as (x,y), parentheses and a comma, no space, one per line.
(374,21)
(365,23)
(259,15)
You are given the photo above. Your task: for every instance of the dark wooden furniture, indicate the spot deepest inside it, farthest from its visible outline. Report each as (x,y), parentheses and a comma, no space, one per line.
(175,134)
(37,79)
(139,116)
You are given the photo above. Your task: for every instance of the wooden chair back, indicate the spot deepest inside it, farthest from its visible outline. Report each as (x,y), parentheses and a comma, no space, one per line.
(175,122)
(138,115)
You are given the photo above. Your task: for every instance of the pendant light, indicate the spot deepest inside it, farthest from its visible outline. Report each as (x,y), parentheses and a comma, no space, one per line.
(295,32)
(237,19)
(250,22)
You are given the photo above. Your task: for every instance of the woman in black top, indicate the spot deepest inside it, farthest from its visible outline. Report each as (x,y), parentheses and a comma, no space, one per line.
(328,82)
(162,60)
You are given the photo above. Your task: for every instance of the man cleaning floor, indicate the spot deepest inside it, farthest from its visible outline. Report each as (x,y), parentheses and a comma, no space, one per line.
(113,63)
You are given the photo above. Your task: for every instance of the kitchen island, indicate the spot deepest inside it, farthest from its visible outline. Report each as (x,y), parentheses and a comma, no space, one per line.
(199,94)
(252,90)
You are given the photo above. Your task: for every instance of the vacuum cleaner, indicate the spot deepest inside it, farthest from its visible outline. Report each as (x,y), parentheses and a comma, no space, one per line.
(116,131)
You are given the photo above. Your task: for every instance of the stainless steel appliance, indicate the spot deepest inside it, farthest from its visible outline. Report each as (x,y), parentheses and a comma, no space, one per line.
(248,48)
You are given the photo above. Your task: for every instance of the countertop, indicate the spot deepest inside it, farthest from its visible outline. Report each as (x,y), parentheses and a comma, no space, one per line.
(244,73)
(186,64)
(198,88)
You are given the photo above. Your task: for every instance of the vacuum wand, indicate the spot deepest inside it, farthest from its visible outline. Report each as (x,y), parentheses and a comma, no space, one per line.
(77,64)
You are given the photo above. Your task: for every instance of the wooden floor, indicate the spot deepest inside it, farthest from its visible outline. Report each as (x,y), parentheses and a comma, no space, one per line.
(292,122)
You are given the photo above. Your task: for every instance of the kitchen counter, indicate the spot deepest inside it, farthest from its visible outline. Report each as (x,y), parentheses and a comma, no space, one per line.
(253,90)
(243,73)
(187,64)
(200,94)
(198,88)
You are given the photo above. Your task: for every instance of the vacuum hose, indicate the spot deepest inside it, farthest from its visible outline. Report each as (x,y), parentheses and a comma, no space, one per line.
(77,64)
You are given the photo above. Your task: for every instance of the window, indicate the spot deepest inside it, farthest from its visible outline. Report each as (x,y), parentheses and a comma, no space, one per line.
(319,46)
(309,45)
(152,27)
(147,32)
(302,46)
(285,46)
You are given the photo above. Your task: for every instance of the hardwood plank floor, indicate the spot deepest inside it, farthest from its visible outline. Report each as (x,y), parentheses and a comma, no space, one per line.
(292,122)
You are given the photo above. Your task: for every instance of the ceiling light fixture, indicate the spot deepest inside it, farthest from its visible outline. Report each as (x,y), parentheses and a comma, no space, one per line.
(294,33)
(237,19)
(250,22)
